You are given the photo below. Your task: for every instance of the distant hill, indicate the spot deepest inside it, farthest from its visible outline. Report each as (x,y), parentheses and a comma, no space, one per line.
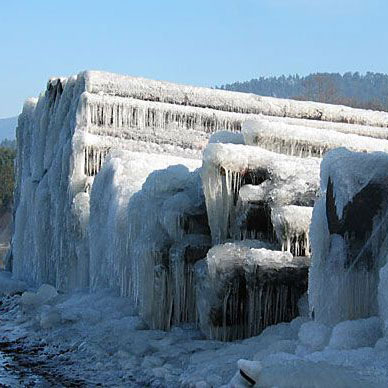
(7,128)
(369,91)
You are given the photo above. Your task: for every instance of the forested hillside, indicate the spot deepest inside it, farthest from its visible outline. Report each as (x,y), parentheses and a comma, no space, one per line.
(7,156)
(369,91)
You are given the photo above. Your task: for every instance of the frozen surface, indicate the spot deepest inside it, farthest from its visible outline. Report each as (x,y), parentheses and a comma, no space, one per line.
(123,175)
(291,225)
(305,141)
(108,195)
(99,338)
(348,236)
(356,129)
(243,287)
(356,334)
(273,178)
(140,88)
(354,171)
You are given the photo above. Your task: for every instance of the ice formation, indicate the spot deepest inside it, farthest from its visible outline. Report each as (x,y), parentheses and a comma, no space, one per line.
(246,286)
(110,194)
(139,88)
(238,180)
(172,196)
(305,141)
(355,129)
(291,224)
(348,236)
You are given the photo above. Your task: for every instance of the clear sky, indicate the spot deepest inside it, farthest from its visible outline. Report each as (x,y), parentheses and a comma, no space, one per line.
(188,41)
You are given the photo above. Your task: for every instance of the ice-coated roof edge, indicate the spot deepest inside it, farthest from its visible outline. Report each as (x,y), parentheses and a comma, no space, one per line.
(99,82)
(111,84)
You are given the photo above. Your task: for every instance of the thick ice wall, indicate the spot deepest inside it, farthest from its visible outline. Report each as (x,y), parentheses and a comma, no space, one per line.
(243,287)
(348,236)
(305,141)
(47,242)
(122,175)
(272,179)
(142,89)
(147,228)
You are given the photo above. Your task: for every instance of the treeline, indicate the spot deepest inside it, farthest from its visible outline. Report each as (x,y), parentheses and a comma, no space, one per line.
(7,178)
(369,91)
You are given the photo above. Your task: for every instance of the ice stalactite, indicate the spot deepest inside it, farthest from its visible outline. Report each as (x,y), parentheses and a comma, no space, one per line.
(166,92)
(152,277)
(183,257)
(158,215)
(348,235)
(238,180)
(94,159)
(291,225)
(116,114)
(303,141)
(246,286)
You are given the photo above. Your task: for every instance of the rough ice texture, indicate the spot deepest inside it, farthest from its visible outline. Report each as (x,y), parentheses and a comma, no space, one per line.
(356,334)
(291,224)
(356,129)
(140,88)
(354,171)
(246,286)
(129,187)
(348,236)
(63,140)
(123,175)
(305,141)
(66,134)
(238,179)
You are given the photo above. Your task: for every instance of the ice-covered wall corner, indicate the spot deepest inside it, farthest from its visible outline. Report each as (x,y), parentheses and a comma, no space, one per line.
(349,237)
(46,245)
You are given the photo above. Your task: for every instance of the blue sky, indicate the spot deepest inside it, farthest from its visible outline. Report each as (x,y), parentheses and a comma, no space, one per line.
(197,42)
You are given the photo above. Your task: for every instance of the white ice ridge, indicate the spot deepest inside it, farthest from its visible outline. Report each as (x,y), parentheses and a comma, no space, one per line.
(143,89)
(276,179)
(356,129)
(291,224)
(305,141)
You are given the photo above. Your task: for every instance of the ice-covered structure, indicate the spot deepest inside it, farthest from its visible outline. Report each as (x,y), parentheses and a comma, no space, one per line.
(64,136)
(349,237)
(262,202)
(110,192)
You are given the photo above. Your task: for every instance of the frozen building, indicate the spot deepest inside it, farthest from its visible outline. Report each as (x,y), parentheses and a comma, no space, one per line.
(112,192)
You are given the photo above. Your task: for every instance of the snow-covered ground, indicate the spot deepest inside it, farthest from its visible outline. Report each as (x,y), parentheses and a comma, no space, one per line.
(92,339)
